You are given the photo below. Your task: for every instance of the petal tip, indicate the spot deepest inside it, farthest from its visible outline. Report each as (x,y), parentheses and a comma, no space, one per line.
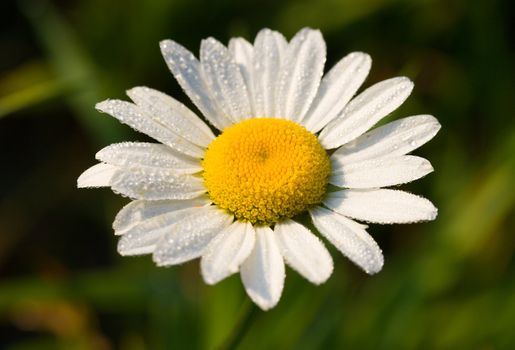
(409,84)
(375,270)
(375,266)
(121,249)
(433,214)
(103,106)
(81,183)
(165,44)
(158,260)
(208,279)
(402,83)
(367,60)
(265,31)
(134,90)
(207,275)
(264,304)
(99,175)
(437,125)
(322,279)
(428,167)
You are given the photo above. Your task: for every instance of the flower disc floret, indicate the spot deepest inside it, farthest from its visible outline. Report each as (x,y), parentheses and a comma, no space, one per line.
(265,170)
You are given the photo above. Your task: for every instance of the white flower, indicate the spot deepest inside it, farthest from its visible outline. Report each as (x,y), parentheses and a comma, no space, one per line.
(232,199)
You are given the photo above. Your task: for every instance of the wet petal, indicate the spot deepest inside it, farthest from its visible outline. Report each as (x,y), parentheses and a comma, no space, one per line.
(190,235)
(381,206)
(350,238)
(227,251)
(336,89)
(300,74)
(263,271)
(269,51)
(138,119)
(379,172)
(156,184)
(243,54)
(141,237)
(153,155)
(303,251)
(172,114)
(188,73)
(99,175)
(393,139)
(224,79)
(365,110)
(140,211)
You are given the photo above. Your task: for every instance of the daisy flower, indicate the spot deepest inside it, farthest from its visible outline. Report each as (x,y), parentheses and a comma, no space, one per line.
(287,142)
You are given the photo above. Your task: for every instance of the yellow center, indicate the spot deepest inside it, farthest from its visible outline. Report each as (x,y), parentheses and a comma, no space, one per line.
(265,170)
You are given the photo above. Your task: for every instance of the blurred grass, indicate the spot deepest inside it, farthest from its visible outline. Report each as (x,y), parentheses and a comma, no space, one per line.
(447,284)
(72,67)
(26,86)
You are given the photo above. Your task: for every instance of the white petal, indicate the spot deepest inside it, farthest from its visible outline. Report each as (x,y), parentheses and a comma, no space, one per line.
(186,70)
(156,184)
(139,211)
(243,54)
(227,251)
(393,139)
(190,235)
(137,242)
(141,121)
(365,110)
(303,251)
(172,114)
(143,237)
(263,273)
(300,74)
(152,155)
(379,172)
(350,238)
(269,50)
(381,206)
(224,79)
(99,175)
(336,89)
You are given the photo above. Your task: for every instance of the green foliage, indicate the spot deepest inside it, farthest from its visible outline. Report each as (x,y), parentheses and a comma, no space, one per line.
(447,284)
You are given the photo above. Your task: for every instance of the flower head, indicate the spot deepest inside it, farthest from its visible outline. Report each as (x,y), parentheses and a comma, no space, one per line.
(285,135)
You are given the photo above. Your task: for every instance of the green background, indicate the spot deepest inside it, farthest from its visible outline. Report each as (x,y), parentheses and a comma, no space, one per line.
(447,284)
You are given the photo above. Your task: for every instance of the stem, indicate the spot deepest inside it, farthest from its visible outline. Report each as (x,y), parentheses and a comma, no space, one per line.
(249,311)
